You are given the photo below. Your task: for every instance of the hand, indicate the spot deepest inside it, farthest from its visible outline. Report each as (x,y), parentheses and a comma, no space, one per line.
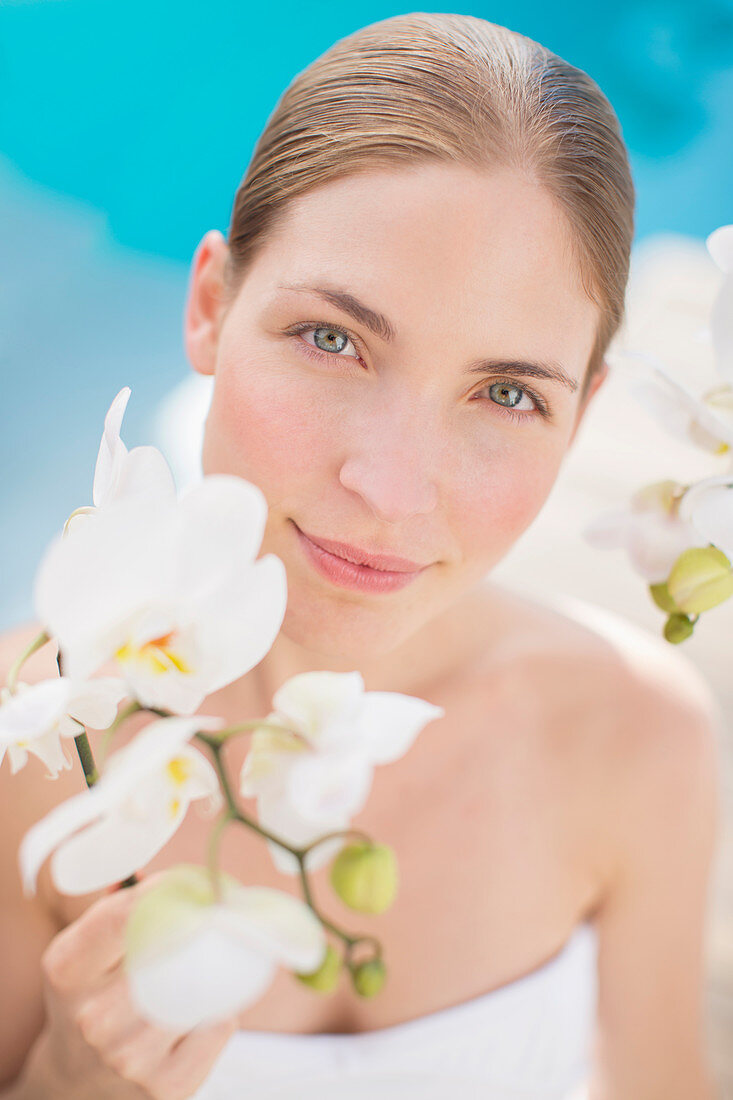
(95,1043)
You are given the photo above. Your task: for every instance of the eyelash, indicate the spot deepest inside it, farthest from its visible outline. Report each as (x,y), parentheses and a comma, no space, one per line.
(316,353)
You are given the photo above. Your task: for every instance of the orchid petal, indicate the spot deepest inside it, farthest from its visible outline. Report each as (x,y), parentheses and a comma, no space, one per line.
(268,760)
(721,328)
(94,703)
(273,922)
(313,701)
(240,620)
(112,450)
(655,543)
(152,747)
(708,505)
(47,747)
(327,786)
(125,773)
(145,472)
(193,959)
(89,589)
(209,978)
(34,709)
(64,819)
(719,244)
(675,407)
(284,821)
(389,722)
(112,849)
(221,522)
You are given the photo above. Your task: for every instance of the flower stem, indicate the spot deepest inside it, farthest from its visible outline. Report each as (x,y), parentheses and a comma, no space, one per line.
(233,813)
(37,642)
(213,852)
(84,751)
(91,775)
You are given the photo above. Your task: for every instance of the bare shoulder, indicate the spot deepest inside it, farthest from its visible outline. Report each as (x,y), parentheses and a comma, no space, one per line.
(580,651)
(657,794)
(632,724)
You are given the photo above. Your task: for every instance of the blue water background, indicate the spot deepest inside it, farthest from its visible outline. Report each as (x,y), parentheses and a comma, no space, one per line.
(124,131)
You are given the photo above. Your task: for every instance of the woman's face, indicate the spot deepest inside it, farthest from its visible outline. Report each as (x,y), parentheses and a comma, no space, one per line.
(367,411)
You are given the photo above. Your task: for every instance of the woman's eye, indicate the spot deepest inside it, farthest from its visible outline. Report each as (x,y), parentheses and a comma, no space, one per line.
(504,395)
(326,339)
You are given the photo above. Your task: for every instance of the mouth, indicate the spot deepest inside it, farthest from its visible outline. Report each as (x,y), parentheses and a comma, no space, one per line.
(388,563)
(346,573)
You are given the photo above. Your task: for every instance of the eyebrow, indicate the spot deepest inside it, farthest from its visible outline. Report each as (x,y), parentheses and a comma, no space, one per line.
(381,326)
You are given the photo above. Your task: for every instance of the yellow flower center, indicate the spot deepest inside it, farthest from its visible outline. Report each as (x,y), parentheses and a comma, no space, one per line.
(157,654)
(179,769)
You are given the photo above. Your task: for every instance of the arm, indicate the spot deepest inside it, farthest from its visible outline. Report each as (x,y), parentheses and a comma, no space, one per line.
(651,1040)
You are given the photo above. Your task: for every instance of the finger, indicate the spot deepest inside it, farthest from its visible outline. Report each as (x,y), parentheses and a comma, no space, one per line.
(109,1019)
(189,1062)
(139,1055)
(94,943)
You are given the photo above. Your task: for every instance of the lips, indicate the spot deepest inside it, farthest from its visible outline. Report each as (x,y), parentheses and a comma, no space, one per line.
(354,554)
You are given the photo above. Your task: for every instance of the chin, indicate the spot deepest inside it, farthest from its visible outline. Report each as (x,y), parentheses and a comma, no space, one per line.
(347,634)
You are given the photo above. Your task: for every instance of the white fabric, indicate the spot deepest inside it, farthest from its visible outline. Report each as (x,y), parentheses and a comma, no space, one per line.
(528,1040)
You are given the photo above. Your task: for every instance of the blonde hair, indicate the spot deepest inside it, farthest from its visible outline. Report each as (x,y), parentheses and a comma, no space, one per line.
(434,87)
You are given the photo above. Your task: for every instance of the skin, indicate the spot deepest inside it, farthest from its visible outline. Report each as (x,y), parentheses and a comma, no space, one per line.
(402,450)
(561,770)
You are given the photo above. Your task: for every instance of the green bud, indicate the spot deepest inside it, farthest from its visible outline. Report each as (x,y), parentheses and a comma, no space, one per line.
(660,595)
(701,578)
(369,977)
(326,977)
(677,628)
(365,876)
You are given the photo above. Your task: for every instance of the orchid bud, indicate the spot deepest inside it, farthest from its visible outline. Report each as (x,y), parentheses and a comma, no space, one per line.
(677,628)
(364,876)
(369,977)
(701,578)
(660,595)
(326,977)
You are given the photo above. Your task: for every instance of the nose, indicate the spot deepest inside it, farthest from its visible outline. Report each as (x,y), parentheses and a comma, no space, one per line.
(390,465)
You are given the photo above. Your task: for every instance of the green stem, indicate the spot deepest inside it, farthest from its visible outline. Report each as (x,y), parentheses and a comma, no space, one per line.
(30,649)
(84,751)
(233,813)
(91,775)
(212,860)
(328,836)
(220,736)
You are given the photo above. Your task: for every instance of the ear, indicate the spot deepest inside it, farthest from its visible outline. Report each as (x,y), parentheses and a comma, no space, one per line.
(593,389)
(205,305)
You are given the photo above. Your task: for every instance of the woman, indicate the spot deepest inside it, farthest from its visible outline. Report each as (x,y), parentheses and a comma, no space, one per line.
(426,261)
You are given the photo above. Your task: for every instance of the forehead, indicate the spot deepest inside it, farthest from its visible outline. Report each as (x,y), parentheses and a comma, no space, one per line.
(434,245)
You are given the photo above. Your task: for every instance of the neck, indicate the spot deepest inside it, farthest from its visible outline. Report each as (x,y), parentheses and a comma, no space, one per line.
(444,647)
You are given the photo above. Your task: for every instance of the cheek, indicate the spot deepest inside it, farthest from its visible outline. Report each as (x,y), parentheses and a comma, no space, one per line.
(262,429)
(497,500)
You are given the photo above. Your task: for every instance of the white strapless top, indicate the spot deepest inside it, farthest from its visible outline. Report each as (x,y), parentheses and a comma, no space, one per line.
(530,1039)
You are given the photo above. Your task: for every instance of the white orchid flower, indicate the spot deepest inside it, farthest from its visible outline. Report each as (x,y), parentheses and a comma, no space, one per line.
(720,246)
(171,590)
(104,834)
(706,422)
(649,529)
(312,784)
(708,507)
(34,718)
(192,958)
(120,473)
